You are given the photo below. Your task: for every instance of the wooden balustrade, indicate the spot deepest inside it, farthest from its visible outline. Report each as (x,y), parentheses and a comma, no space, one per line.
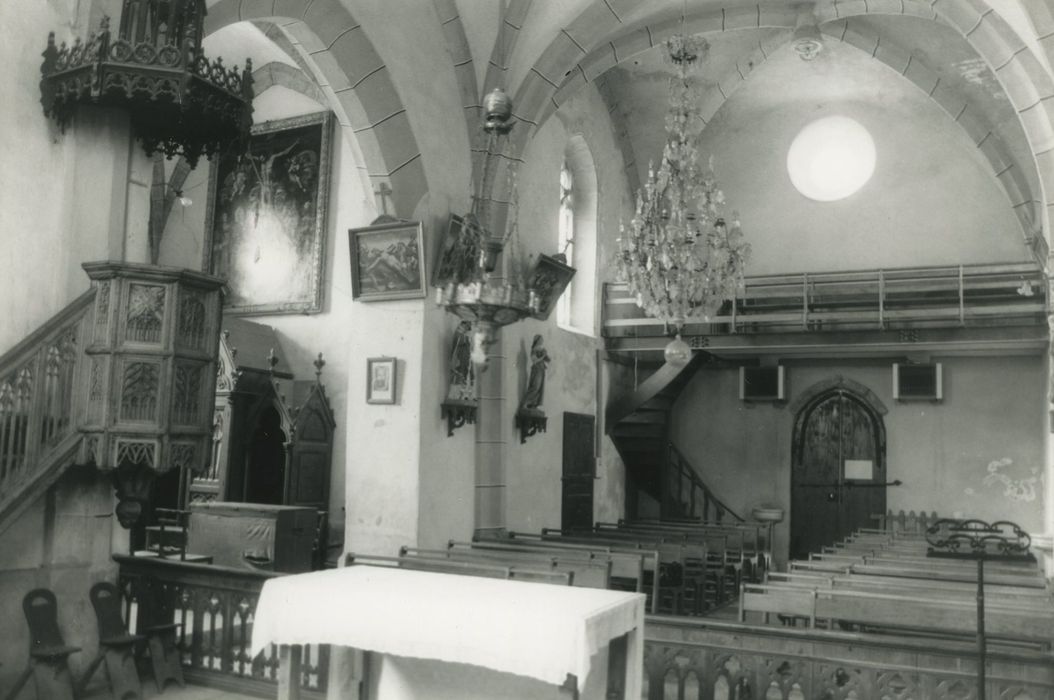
(956,295)
(689,496)
(693,659)
(215,607)
(39,383)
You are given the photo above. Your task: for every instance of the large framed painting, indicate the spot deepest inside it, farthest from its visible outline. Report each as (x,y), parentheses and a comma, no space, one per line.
(387,261)
(267,217)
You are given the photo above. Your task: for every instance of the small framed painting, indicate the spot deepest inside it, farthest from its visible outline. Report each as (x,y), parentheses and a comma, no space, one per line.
(381,379)
(548,280)
(386,261)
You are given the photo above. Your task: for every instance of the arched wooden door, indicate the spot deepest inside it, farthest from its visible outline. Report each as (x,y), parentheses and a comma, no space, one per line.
(838,477)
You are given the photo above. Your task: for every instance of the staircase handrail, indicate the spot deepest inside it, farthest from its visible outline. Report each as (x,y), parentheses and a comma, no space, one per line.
(681,467)
(39,415)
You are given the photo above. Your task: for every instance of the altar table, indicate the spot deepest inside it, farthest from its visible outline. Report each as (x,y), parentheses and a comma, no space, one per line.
(540,631)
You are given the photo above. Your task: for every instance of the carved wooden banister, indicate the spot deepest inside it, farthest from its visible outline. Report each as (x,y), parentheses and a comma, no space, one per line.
(686,488)
(39,406)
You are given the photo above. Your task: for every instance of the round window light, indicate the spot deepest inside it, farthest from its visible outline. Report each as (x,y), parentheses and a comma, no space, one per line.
(831,158)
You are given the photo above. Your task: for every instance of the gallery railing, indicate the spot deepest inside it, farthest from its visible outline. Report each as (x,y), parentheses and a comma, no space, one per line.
(700,659)
(957,295)
(215,607)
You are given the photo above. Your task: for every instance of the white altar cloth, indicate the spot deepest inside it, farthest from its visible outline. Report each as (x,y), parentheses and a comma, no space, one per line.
(531,629)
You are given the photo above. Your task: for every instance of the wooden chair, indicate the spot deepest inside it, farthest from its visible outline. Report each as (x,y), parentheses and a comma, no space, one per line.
(48,653)
(169,536)
(116,645)
(157,623)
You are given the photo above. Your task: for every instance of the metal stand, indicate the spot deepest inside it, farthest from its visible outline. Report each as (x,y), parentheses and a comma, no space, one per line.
(976,539)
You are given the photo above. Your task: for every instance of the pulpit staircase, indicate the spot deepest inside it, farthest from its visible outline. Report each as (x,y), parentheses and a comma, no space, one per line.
(41,385)
(639,428)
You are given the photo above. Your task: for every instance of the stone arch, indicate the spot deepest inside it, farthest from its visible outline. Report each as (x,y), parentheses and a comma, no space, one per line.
(277,74)
(838,382)
(356,80)
(1026,83)
(1005,169)
(461,56)
(584,50)
(987,138)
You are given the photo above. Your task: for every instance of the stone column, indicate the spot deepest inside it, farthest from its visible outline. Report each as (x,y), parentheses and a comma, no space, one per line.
(490,445)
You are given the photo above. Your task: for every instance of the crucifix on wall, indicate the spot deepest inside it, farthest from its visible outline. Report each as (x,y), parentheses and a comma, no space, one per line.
(383,191)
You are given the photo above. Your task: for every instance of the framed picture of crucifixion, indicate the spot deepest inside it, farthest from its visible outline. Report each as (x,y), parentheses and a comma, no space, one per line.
(266,218)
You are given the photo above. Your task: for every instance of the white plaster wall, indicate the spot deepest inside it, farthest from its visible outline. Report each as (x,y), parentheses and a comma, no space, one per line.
(941,452)
(439,492)
(61,194)
(932,199)
(533,470)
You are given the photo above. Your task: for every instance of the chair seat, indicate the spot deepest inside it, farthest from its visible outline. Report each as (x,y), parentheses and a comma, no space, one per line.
(120,640)
(53,651)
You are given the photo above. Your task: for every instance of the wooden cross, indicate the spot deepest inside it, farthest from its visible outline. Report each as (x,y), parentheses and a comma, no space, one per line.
(383,190)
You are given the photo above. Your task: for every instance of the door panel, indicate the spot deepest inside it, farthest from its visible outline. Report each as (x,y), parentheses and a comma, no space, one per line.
(826,506)
(577,491)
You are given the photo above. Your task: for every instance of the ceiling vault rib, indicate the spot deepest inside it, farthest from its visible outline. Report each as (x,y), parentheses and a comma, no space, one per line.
(338,37)
(568,35)
(990,39)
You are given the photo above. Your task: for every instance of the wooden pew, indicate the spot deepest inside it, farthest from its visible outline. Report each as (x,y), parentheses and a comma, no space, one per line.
(634,570)
(918,570)
(752,537)
(924,562)
(693,582)
(449,566)
(898,613)
(724,549)
(672,587)
(724,546)
(1013,595)
(584,573)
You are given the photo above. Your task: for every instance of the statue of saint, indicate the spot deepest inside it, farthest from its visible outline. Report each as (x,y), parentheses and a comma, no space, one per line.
(539,363)
(462,373)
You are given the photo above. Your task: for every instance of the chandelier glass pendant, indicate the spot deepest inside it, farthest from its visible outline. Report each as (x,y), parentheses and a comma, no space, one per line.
(679,255)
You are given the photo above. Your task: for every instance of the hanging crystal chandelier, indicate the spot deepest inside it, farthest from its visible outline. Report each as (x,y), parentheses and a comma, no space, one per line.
(681,258)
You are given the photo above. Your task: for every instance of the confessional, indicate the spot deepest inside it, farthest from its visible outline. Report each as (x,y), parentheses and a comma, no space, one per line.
(271,451)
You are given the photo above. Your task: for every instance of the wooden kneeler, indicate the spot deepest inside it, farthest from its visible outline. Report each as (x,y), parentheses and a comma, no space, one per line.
(116,645)
(48,653)
(157,624)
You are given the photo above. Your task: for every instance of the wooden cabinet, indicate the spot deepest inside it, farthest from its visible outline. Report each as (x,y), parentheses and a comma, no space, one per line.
(254,536)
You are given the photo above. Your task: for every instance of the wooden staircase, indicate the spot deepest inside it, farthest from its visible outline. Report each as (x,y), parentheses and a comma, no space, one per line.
(639,427)
(41,387)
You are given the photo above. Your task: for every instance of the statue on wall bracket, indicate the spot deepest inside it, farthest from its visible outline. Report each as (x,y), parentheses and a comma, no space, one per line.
(530,418)
(461,403)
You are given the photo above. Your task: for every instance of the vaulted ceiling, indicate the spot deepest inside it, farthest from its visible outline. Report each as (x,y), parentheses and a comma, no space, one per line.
(967,75)
(980,63)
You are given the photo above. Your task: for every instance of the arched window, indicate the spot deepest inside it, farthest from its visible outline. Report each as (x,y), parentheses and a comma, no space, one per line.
(578,236)
(567,239)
